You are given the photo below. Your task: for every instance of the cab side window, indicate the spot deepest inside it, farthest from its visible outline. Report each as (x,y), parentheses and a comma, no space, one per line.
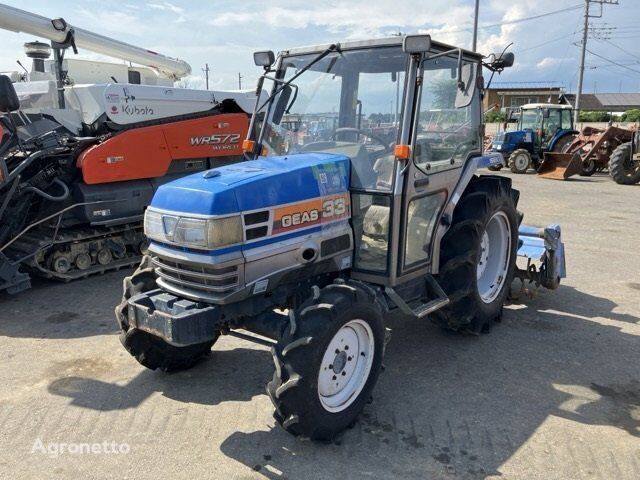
(445,135)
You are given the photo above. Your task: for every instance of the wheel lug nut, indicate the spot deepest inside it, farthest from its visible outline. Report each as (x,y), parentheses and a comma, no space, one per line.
(330,366)
(334,377)
(349,358)
(346,347)
(344,373)
(337,351)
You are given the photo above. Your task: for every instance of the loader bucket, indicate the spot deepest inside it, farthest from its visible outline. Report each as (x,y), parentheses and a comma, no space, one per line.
(560,166)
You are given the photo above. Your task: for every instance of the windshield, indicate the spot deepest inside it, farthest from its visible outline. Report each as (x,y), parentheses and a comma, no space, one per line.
(530,119)
(347,103)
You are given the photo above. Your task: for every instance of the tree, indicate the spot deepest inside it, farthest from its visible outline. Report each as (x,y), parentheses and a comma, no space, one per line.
(594,117)
(632,115)
(444,92)
(495,116)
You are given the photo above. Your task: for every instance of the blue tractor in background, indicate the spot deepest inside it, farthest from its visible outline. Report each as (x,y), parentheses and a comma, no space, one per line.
(542,128)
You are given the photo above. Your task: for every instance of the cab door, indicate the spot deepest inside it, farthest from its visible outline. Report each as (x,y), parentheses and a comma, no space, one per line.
(443,138)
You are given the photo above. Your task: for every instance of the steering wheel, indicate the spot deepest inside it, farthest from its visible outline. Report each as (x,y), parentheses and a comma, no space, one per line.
(380,140)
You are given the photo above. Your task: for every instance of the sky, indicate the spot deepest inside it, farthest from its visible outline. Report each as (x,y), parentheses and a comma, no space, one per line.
(224,34)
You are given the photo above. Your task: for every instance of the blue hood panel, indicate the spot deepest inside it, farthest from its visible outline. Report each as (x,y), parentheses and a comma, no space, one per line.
(255,184)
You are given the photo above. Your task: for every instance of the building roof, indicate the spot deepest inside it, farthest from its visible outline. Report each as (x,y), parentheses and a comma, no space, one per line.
(616,102)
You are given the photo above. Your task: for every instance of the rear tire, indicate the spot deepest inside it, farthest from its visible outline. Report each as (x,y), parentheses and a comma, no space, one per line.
(151,351)
(520,161)
(477,283)
(622,168)
(320,385)
(563,143)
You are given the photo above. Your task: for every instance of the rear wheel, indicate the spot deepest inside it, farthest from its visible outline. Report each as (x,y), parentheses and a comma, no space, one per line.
(149,350)
(478,255)
(563,143)
(623,169)
(328,361)
(520,161)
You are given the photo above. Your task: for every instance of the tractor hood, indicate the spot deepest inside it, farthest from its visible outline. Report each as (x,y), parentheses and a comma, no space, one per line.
(255,184)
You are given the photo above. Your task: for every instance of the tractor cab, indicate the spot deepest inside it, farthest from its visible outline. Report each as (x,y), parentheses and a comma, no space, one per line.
(407,116)
(546,121)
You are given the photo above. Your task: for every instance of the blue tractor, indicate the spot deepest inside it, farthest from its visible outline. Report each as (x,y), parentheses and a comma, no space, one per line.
(542,127)
(309,247)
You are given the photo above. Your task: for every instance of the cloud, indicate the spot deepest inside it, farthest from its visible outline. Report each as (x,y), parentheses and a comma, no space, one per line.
(166,6)
(549,62)
(170,8)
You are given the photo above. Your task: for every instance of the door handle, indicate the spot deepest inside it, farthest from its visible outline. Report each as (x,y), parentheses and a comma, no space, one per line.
(421,182)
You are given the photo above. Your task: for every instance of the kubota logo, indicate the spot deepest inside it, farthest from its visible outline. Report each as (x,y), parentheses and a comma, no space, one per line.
(218,141)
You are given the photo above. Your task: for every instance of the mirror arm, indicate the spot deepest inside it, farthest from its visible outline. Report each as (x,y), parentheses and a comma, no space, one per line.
(293,100)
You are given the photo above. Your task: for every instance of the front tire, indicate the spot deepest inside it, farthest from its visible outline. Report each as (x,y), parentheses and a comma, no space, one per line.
(478,255)
(520,161)
(622,168)
(149,350)
(589,168)
(328,361)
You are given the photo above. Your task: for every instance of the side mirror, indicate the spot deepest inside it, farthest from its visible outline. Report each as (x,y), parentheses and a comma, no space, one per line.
(8,97)
(467,86)
(264,59)
(505,61)
(281,105)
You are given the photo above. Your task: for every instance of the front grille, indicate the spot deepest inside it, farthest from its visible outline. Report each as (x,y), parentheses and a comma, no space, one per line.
(198,277)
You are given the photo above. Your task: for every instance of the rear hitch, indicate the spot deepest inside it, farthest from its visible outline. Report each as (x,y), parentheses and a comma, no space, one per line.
(543,250)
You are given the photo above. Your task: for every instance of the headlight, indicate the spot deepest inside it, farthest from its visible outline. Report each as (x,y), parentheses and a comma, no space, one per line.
(190,232)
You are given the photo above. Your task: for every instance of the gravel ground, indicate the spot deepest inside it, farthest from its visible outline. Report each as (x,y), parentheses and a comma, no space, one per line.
(552,393)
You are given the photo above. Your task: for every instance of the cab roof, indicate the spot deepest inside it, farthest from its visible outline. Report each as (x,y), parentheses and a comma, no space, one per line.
(556,106)
(375,42)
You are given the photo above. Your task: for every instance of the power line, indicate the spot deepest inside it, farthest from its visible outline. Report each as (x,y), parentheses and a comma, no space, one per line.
(517,20)
(611,61)
(622,49)
(546,43)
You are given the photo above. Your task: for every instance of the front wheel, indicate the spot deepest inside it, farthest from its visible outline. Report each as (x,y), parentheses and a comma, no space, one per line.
(520,161)
(328,361)
(589,167)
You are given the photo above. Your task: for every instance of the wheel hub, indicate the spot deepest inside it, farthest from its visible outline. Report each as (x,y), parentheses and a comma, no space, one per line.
(339,362)
(345,365)
(521,161)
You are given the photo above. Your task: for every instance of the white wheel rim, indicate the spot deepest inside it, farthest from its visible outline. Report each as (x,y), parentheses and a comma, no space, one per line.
(495,255)
(346,365)
(522,162)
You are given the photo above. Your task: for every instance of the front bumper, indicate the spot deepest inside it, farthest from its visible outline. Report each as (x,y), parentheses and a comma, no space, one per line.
(176,320)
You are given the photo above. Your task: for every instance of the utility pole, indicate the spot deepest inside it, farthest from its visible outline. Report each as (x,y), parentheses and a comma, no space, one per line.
(240,77)
(585,35)
(475,26)
(206,74)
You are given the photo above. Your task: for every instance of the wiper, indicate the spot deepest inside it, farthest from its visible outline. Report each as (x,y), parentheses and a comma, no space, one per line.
(332,48)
